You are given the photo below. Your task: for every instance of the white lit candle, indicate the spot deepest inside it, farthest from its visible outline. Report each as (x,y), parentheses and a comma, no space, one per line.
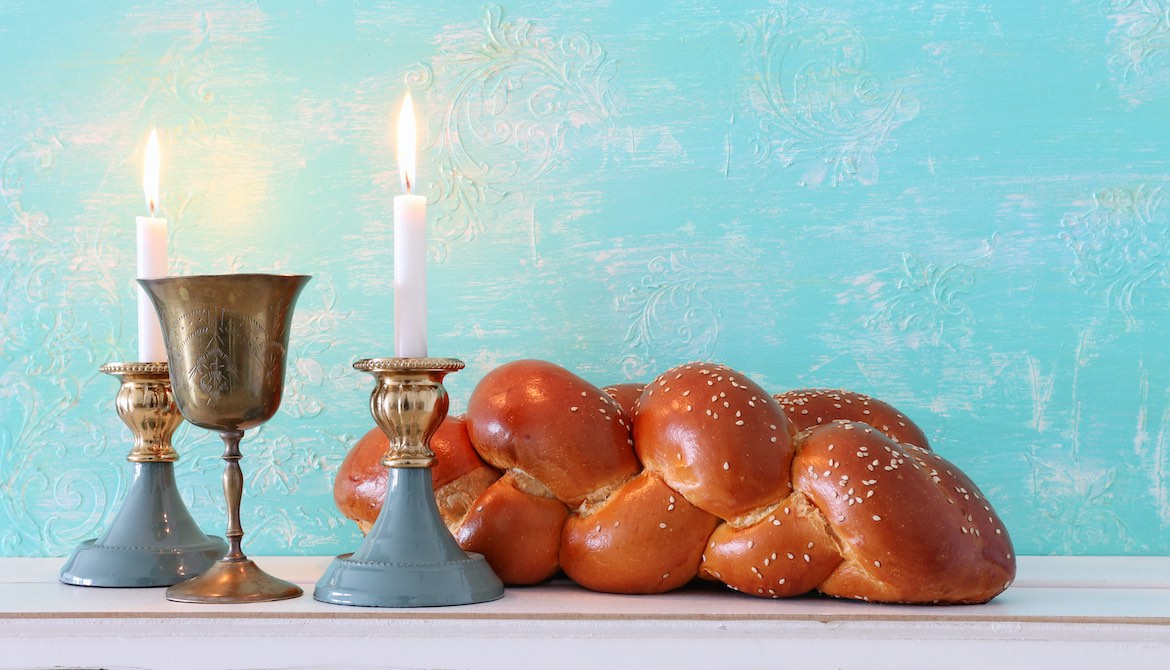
(152,258)
(410,249)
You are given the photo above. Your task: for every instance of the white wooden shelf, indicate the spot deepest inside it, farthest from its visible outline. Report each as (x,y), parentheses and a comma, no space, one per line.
(1062,612)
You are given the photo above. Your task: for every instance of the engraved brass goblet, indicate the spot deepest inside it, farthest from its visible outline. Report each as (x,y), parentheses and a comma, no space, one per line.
(227,339)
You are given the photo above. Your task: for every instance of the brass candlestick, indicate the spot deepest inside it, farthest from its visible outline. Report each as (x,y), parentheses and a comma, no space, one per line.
(409,558)
(227,343)
(153,540)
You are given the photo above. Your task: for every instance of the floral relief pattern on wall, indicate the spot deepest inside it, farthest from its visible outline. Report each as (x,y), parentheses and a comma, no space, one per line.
(927,301)
(316,325)
(819,108)
(1141,47)
(669,311)
(507,106)
(180,91)
(53,492)
(186,82)
(1121,245)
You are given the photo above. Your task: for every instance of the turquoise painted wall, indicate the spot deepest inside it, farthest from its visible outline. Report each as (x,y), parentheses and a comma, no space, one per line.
(957,206)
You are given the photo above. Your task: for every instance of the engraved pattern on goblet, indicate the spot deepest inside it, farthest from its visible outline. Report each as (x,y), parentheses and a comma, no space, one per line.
(213,373)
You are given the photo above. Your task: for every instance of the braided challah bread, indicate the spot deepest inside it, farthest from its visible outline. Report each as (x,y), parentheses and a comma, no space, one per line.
(701,473)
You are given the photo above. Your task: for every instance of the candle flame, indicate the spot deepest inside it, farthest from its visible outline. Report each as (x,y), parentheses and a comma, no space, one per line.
(406,144)
(150,172)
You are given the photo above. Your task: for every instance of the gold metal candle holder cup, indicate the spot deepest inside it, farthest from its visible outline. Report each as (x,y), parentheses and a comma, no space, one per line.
(146,404)
(227,342)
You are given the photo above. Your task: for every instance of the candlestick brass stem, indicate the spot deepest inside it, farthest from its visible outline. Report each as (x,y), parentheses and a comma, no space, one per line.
(227,343)
(409,558)
(153,540)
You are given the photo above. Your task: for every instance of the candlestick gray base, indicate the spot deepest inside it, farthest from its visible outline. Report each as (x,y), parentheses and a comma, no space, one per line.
(153,540)
(409,559)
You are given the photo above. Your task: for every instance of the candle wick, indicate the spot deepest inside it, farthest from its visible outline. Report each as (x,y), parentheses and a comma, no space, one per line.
(406,182)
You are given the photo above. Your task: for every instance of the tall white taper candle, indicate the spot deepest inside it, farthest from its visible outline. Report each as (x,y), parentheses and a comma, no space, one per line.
(410,249)
(152,258)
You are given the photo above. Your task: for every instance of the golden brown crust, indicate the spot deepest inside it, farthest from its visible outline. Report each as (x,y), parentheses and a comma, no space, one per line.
(518,533)
(561,430)
(454,455)
(645,538)
(910,531)
(626,395)
(716,437)
(808,408)
(786,553)
(360,485)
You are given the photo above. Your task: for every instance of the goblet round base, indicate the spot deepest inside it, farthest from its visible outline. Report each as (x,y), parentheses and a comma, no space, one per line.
(233,581)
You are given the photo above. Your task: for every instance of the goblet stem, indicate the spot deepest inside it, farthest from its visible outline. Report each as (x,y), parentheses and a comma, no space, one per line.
(233,492)
(233,578)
